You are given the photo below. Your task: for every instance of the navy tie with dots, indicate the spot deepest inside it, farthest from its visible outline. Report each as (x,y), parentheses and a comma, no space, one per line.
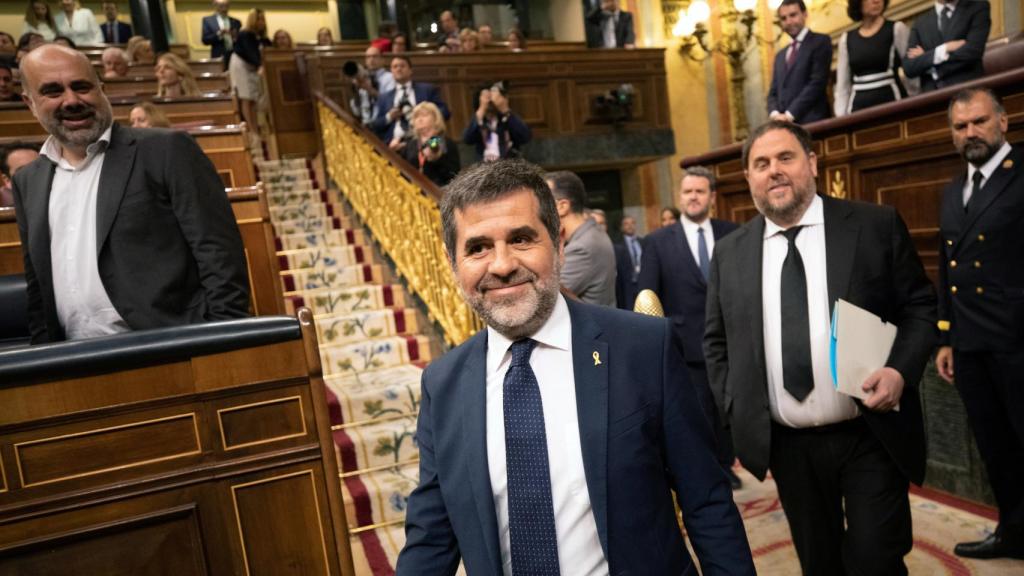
(531,515)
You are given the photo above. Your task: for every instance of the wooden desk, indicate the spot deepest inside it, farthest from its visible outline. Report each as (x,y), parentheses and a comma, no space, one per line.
(202,66)
(95,53)
(147,85)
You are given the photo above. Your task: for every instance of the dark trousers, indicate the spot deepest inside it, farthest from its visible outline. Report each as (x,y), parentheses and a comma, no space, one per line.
(991,385)
(723,436)
(825,471)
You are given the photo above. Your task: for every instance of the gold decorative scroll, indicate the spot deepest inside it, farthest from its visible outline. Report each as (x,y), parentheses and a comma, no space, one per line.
(404,220)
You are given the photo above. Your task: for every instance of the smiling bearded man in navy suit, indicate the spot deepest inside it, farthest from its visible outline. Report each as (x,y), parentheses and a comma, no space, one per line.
(552,441)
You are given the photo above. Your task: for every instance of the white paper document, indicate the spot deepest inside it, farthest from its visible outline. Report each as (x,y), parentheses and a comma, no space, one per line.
(861,343)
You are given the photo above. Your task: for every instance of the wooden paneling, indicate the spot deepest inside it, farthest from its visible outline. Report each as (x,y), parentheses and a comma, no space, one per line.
(147,85)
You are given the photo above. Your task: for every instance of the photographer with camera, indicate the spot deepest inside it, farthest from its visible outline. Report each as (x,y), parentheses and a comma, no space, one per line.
(436,155)
(495,130)
(394,108)
(363,102)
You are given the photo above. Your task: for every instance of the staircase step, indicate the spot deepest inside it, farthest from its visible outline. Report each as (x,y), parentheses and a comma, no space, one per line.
(379,444)
(329,238)
(287,175)
(353,327)
(302,196)
(369,355)
(333,277)
(379,497)
(282,164)
(323,257)
(290,186)
(311,225)
(306,211)
(345,300)
(364,397)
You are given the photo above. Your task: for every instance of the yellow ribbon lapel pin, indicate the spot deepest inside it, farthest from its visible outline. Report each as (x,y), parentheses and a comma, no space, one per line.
(597,358)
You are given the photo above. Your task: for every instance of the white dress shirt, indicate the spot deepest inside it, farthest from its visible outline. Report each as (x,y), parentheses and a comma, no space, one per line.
(224,22)
(986,170)
(939,55)
(403,91)
(579,547)
(824,405)
(83,306)
(608,29)
(83,29)
(690,230)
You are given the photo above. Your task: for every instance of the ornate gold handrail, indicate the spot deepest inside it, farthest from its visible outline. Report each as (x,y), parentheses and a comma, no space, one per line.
(400,207)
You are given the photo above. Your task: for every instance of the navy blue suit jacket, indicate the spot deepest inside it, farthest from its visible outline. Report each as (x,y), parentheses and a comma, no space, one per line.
(642,433)
(425,92)
(211,37)
(800,90)
(668,268)
(124,32)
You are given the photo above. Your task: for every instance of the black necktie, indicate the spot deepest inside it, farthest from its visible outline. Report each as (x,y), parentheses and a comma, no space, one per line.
(797,375)
(947,15)
(975,188)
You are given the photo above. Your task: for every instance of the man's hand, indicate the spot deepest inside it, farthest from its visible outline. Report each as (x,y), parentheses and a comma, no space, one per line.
(431,154)
(780,116)
(886,388)
(954,45)
(485,100)
(944,363)
(396,144)
(914,52)
(394,113)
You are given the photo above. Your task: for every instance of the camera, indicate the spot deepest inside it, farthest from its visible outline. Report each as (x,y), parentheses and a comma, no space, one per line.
(352,69)
(434,143)
(616,104)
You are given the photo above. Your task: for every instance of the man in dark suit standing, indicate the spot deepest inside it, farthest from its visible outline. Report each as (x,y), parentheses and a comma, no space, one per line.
(551,441)
(114,31)
(628,255)
(394,107)
(675,266)
(946,45)
(609,27)
(841,465)
(801,72)
(981,305)
(121,229)
(220,31)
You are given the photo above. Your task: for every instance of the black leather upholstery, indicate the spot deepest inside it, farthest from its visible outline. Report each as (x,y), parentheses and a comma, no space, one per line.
(141,348)
(13,311)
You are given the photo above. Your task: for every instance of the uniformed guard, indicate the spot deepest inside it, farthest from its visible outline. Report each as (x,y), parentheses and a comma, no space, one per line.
(981,305)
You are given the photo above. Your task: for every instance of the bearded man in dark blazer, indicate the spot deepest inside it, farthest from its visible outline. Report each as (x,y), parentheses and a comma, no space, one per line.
(841,465)
(121,229)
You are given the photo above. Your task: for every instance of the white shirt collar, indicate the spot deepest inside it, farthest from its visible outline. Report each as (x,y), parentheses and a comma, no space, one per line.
(814,215)
(53,151)
(555,333)
(802,35)
(691,226)
(990,166)
(939,7)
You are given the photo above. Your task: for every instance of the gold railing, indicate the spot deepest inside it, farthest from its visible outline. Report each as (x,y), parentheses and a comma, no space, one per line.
(400,208)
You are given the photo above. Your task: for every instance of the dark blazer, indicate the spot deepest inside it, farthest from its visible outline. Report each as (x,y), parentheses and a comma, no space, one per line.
(211,34)
(800,89)
(624,33)
(441,171)
(626,286)
(872,264)
(971,22)
(512,132)
(983,248)
(424,91)
(168,247)
(642,435)
(669,269)
(124,32)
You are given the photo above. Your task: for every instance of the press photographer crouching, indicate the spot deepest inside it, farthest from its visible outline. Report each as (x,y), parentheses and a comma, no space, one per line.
(363,102)
(495,130)
(427,147)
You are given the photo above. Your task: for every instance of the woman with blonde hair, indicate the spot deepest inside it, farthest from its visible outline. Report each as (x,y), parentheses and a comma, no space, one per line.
(139,50)
(174,77)
(429,149)
(39,20)
(145,114)
(469,40)
(245,64)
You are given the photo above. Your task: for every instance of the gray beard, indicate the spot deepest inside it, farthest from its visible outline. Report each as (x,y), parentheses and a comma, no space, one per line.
(80,138)
(494,317)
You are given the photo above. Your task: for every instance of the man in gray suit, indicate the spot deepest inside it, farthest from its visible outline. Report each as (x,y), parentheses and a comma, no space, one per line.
(121,229)
(589,269)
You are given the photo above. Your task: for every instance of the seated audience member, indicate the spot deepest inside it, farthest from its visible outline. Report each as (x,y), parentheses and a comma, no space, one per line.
(869,57)
(485,34)
(516,40)
(28,42)
(77,23)
(115,63)
(609,27)
(7,92)
(39,20)
(12,158)
(399,44)
(8,46)
(670,216)
(946,45)
(169,252)
(139,50)
(244,67)
(448,36)
(801,71)
(114,31)
(495,130)
(429,149)
(394,108)
(283,39)
(65,41)
(383,81)
(146,115)
(469,40)
(589,267)
(324,37)
(174,77)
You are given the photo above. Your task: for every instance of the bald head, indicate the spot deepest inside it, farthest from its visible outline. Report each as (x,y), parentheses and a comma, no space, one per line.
(49,55)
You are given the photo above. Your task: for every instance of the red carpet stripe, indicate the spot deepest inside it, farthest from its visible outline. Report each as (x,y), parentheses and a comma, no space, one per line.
(952,501)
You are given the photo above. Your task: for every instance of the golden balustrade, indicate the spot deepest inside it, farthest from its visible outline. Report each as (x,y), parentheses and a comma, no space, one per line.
(400,208)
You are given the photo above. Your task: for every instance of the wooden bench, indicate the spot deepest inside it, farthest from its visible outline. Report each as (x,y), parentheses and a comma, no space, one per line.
(202,449)
(147,85)
(95,53)
(203,66)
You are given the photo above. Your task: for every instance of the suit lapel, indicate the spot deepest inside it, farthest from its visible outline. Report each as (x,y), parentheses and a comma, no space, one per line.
(686,254)
(473,387)
(998,182)
(592,410)
(37,198)
(840,248)
(117,166)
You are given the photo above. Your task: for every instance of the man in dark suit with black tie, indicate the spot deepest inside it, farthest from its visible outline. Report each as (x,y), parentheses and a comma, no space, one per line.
(552,441)
(675,266)
(394,107)
(628,254)
(981,305)
(841,465)
(609,27)
(946,45)
(121,229)
(220,31)
(114,31)
(801,71)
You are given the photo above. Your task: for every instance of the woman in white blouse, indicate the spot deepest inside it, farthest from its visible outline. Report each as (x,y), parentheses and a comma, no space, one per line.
(77,23)
(39,20)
